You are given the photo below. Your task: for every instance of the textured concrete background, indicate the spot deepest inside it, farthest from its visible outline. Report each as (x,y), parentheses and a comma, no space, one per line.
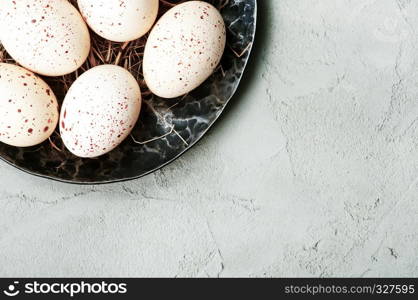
(312,171)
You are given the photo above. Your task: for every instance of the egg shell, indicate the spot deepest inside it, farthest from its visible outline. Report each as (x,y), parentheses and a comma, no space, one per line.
(184,48)
(28,107)
(119,21)
(48,37)
(99,111)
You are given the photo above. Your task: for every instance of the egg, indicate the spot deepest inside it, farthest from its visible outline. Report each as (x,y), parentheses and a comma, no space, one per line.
(48,37)
(184,48)
(28,107)
(119,21)
(99,111)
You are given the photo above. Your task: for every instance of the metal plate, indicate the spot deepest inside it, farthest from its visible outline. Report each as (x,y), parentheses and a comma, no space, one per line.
(178,123)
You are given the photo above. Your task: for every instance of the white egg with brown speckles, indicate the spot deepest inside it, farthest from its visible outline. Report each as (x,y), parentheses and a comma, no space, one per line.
(28,107)
(48,37)
(184,48)
(99,111)
(119,21)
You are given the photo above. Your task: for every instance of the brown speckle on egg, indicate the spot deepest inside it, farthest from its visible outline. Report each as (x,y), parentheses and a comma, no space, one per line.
(120,21)
(110,108)
(32,36)
(23,115)
(181,53)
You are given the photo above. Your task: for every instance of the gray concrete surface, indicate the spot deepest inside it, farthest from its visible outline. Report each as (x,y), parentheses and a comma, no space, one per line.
(312,171)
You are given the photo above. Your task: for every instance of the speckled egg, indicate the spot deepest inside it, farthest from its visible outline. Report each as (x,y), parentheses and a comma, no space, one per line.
(99,111)
(28,107)
(48,37)
(184,48)
(119,21)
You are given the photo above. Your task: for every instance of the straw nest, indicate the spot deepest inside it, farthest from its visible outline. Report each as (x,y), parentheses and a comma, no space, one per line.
(128,55)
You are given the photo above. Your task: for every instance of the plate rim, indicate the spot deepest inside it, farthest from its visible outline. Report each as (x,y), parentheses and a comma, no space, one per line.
(103,182)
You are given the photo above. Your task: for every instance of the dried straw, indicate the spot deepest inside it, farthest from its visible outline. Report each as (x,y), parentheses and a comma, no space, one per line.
(128,55)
